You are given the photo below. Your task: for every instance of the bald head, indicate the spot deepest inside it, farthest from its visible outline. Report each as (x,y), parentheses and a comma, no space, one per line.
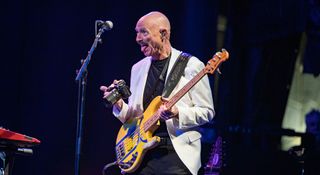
(157,20)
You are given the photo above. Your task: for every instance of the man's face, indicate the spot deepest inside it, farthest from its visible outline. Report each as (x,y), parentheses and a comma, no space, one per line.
(148,37)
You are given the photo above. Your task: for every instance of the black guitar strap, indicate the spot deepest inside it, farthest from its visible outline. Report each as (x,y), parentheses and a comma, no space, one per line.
(175,73)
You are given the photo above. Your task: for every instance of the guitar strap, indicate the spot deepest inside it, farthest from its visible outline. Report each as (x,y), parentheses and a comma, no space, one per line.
(175,73)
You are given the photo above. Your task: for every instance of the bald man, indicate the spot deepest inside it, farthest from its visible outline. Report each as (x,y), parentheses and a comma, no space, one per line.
(180,147)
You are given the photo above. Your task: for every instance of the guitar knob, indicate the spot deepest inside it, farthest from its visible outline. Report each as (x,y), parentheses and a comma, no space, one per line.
(131,162)
(124,165)
(218,70)
(135,155)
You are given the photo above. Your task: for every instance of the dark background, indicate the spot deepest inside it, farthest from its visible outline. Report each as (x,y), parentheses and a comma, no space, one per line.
(42,43)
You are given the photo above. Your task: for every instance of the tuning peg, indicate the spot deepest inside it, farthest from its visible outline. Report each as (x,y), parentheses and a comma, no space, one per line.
(218,70)
(218,54)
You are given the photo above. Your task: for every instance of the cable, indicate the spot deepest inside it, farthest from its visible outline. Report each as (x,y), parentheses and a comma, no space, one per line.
(107,166)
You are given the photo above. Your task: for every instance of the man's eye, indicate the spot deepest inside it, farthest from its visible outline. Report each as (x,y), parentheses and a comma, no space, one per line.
(144,32)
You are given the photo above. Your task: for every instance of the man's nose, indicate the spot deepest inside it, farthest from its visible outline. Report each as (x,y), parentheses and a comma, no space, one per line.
(138,38)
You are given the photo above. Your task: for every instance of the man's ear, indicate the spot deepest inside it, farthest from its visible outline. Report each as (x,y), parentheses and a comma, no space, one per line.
(163,33)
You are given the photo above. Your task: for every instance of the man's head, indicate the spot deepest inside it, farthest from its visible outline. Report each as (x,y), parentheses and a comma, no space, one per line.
(153,35)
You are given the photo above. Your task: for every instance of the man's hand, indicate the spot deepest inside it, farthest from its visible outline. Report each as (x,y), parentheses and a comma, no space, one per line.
(166,113)
(107,90)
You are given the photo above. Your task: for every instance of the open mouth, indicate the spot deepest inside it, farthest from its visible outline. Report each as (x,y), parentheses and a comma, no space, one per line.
(144,46)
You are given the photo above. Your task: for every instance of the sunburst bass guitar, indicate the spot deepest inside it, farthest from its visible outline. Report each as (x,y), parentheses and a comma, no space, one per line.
(135,137)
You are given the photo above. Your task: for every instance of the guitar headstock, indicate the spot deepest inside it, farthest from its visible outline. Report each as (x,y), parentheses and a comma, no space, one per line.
(217,59)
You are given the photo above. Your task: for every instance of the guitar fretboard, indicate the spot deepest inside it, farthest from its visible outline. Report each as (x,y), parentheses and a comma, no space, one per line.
(151,121)
(186,88)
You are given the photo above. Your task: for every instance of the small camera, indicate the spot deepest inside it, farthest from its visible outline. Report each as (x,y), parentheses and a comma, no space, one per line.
(120,90)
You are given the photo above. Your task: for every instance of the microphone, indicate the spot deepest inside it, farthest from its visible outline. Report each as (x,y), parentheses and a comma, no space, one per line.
(106,25)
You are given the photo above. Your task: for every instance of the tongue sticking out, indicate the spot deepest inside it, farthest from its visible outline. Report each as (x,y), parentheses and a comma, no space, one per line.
(144,49)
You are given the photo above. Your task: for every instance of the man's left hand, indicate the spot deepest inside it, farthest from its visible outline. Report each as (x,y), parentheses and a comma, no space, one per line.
(166,113)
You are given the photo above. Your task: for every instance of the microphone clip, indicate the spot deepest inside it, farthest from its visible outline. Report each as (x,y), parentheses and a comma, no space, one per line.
(102,26)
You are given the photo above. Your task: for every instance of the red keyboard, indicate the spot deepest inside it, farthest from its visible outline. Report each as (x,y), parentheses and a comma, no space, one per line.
(13,138)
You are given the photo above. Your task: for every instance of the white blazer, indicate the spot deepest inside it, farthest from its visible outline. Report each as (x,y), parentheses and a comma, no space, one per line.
(195,108)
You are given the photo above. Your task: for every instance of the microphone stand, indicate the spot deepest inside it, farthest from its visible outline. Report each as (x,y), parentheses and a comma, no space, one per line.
(82,81)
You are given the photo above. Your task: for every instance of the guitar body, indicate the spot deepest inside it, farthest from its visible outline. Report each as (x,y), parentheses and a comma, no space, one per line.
(133,141)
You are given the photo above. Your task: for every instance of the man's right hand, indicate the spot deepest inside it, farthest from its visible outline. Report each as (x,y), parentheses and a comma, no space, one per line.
(107,90)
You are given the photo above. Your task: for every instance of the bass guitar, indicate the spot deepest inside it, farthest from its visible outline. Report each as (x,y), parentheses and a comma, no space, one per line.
(135,137)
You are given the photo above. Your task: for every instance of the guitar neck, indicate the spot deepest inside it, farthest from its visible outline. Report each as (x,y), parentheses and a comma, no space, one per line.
(185,89)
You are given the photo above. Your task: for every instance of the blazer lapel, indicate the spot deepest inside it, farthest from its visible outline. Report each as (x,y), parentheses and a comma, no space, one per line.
(174,55)
(143,74)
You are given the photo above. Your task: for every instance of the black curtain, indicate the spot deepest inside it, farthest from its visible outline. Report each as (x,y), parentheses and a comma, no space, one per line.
(42,43)
(263,38)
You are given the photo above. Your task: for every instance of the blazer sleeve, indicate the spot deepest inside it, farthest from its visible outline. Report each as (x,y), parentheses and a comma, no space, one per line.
(200,110)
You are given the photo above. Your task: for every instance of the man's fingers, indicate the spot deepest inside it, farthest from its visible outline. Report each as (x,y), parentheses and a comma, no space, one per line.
(103,88)
(105,94)
(115,82)
(107,89)
(164,113)
(164,99)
